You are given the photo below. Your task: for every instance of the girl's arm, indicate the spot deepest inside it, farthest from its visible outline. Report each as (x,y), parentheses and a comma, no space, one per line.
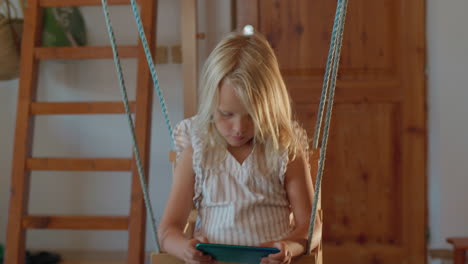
(300,190)
(299,187)
(177,210)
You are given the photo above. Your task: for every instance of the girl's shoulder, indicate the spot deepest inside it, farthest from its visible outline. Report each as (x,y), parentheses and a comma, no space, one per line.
(185,124)
(186,127)
(300,133)
(185,134)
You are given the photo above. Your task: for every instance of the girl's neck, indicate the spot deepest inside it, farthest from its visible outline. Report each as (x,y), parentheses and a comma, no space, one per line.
(240,153)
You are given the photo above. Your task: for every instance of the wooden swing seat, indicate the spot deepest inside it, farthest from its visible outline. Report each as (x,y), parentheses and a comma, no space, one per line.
(314,257)
(164,258)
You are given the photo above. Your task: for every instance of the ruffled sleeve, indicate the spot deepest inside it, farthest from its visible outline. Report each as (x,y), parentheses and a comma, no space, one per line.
(185,136)
(303,139)
(182,136)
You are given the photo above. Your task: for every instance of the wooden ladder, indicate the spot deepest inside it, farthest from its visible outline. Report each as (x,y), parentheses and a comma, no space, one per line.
(19,220)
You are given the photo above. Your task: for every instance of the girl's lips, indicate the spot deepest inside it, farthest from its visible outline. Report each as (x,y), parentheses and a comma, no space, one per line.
(237,138)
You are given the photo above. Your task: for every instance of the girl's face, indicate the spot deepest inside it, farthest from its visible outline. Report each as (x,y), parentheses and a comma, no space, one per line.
(231,118)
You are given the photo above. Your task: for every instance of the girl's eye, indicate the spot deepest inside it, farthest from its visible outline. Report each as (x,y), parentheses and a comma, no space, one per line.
(226,114)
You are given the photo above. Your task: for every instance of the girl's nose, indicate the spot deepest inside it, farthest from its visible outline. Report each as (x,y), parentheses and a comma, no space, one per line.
(240,125)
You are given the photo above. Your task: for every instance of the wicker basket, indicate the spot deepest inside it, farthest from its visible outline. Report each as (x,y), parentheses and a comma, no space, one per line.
(10,32)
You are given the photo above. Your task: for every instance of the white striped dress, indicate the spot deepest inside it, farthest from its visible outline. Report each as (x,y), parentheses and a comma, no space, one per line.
(237,203)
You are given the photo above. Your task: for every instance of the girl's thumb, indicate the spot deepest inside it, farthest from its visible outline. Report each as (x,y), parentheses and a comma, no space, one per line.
(202,239)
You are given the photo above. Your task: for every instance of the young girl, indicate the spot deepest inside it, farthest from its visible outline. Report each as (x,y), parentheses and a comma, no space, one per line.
(242,160)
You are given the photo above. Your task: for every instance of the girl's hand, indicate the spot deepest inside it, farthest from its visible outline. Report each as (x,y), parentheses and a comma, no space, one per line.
(193,256)
(282,257)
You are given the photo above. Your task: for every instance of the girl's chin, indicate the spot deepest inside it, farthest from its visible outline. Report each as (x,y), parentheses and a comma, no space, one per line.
(237,143)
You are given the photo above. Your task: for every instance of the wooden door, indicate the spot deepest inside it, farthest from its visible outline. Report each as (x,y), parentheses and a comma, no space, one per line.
(374,186)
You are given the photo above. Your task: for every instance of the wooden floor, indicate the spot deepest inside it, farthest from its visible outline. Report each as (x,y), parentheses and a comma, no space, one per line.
(96,257)
(119,257)
(76,261)
(445,256)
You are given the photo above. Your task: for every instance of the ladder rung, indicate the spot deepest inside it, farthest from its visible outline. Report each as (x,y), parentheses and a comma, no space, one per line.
(77,108)
(45,53)
(76,222)
(52,3)
(81,164)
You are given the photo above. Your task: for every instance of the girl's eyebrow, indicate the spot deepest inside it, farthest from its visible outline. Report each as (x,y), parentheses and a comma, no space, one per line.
(222,110)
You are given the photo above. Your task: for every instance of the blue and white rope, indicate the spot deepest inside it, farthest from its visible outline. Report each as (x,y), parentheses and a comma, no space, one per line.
(154,76)
(333,63)
(327,76)
(123,91)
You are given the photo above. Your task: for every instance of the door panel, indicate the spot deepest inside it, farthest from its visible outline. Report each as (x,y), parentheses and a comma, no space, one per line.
(374,185)
(361,178)
(300,33)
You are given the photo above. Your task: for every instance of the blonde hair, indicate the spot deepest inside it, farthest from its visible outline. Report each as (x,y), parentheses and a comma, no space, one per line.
(249,63)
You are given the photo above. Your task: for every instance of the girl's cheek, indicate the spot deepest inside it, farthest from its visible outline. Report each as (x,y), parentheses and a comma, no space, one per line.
(222,126)
(226,126)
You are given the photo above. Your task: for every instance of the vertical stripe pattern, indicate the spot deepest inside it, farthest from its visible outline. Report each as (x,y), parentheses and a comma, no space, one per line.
(237,203)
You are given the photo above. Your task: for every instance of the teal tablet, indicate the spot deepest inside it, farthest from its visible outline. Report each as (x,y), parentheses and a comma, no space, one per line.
(237,254)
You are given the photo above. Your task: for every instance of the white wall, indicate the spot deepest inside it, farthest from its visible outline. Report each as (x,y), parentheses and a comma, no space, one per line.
(447,35)
(99,136)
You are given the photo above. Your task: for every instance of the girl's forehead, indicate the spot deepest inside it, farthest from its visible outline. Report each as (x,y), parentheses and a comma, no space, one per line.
(228,98)
(227,89)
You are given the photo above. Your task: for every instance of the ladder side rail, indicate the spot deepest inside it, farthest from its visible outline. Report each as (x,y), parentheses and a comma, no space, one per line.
(20,178)
(143,118)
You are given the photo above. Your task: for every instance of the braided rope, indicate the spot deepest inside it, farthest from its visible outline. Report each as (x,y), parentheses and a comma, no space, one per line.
(327,76)
(123,91)
(338,29)
(154,76)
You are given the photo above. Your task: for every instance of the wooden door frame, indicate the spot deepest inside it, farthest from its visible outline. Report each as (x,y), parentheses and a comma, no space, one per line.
(414,134)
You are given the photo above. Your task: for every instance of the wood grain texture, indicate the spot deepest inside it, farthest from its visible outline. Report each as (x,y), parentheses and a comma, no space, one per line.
(20,178)
(189,56)
(79,164)
(77,108)
(374,185)
(61,3)
(76,222)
